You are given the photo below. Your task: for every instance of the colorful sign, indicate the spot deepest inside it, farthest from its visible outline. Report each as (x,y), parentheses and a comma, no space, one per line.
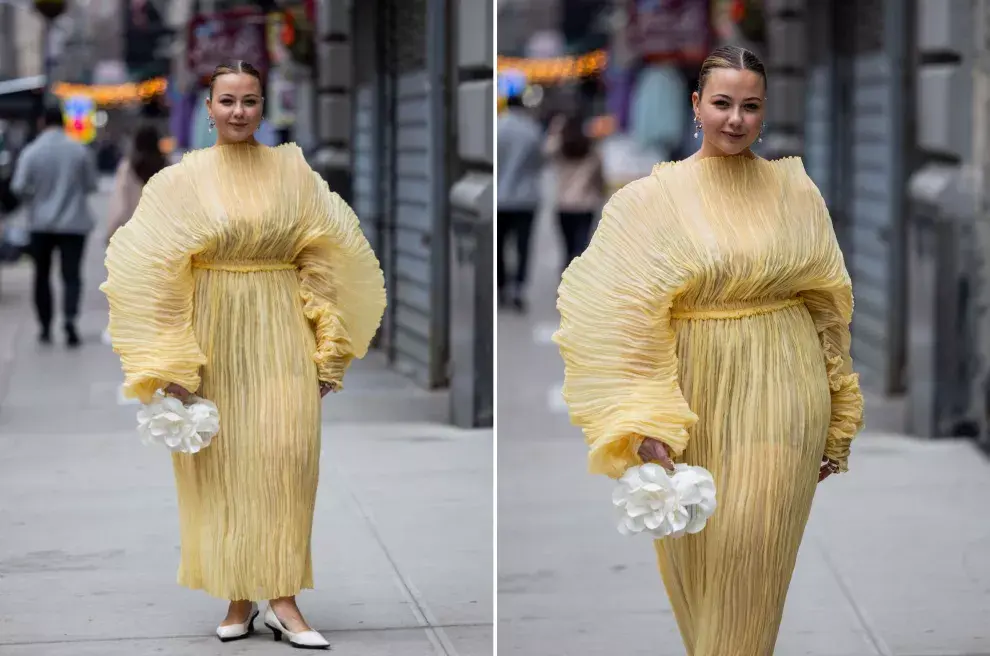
(79,113)
(511,82)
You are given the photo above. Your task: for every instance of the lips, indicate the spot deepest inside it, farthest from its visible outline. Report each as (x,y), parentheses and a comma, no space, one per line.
(734,135)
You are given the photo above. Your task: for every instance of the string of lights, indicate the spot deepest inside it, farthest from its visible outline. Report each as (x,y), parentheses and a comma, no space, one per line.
(556,69)
(113,94)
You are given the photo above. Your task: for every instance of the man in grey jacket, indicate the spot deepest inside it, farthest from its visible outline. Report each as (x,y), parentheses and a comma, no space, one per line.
(520,163)
(55,176)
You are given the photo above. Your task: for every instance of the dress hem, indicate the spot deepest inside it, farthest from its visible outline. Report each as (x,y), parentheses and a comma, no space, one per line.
(277,594)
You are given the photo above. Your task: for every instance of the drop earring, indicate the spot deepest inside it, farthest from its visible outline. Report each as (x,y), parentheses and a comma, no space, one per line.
(697,128)
(762,129)
(213,124)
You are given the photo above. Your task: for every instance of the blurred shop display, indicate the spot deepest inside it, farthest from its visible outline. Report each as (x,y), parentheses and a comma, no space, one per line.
(147,39)
(625,159)
(227,36)
(665,30)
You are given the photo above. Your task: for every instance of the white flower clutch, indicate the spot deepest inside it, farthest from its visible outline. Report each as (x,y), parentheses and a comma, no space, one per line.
(181,427)
(650,500)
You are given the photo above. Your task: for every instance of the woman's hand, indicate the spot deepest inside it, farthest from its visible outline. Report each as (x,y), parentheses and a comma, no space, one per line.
(828,468)
(326,388)
(178,391)
(652,450)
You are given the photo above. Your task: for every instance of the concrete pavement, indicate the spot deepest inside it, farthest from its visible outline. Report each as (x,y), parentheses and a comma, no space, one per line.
(402,543)
(896,559)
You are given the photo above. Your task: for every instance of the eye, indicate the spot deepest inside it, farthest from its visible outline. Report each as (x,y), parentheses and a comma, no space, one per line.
(722,103)
(753,107)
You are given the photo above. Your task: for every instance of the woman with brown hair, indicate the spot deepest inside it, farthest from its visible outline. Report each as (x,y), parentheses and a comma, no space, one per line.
(142,162)
(708,322)
(242,278)
(580,178)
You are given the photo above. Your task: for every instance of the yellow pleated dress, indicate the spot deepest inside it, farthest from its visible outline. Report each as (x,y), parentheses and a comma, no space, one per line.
(242,276)
(711,311)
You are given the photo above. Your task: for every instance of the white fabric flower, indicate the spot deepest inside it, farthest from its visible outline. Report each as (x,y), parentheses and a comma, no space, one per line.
(650,500)
(181,428)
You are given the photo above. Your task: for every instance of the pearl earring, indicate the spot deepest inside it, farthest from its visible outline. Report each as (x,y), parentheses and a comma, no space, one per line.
(213,124)
(697,128)
(762,128)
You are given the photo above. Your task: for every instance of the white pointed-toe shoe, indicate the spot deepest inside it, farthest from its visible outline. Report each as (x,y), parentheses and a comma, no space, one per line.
(303,640)
(238,631)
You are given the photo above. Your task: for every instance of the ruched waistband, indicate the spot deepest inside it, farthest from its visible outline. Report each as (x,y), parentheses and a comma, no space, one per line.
(700,314)
(244,267)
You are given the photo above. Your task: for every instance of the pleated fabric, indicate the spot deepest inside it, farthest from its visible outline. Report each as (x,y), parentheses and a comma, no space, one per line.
(711,311)
(242,276)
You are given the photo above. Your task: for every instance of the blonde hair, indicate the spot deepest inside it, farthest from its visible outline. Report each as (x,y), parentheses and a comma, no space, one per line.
(237,68)
(731,57)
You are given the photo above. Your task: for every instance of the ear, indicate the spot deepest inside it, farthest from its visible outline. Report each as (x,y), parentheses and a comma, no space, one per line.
(695,99)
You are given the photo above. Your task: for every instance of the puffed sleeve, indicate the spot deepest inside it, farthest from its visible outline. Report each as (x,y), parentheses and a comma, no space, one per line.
(343,288)
(150,286)
(620,361)
(831,307)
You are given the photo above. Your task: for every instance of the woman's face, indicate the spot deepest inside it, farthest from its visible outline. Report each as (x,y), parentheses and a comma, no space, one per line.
(730,109)
(236,107)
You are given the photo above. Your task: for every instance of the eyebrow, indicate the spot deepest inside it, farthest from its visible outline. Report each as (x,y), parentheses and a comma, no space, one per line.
(727,96)
(247,95)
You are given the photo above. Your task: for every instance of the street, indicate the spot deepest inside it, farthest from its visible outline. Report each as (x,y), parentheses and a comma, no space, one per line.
(895,560)
(402,542)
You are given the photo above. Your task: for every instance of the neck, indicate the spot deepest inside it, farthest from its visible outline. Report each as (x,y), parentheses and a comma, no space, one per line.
(709,150)
(250,141)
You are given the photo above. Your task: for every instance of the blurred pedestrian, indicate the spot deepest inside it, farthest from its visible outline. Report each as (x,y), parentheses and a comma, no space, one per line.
(708,323)
(580,179)
(143,160)
(243,279)
(55,175)
(520,163)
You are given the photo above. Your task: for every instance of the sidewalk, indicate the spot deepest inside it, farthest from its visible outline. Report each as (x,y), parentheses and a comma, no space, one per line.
(402,543)
(895,561)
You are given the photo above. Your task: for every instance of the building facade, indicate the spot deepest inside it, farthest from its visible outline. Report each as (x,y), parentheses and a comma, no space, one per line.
(887,101)
(403,121)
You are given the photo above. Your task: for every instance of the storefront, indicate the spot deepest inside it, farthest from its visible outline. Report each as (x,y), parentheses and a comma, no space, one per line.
(400,173)
(858,150)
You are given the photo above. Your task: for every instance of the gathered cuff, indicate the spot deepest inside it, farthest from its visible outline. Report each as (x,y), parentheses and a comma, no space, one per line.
(142,384)
(334,351)
(617,449)
(847,411)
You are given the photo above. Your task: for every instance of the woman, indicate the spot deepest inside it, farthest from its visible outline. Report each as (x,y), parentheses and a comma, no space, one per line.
(242,277)
(144,160)
(580,182)
(708,322)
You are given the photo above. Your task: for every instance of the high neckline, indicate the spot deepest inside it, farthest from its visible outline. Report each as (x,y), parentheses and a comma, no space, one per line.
(728,161)
(239,144)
